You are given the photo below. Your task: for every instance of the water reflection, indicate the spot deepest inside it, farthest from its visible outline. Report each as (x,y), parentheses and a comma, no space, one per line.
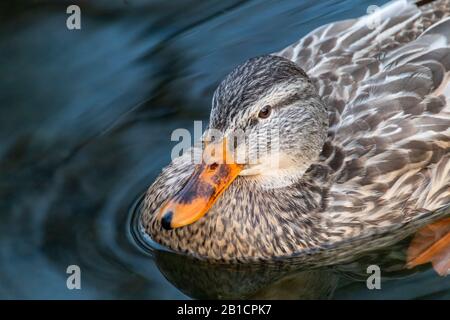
(202,280)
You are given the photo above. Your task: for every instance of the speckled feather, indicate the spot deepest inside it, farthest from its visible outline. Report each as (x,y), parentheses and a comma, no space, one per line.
(384,169)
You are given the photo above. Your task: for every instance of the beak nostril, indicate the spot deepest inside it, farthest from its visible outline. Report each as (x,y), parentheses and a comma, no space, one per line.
(213,166)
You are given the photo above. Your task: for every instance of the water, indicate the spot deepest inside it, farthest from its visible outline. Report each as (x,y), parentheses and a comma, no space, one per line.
(85,124)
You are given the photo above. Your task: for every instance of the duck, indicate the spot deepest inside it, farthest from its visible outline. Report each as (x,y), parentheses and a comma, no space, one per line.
(334,146)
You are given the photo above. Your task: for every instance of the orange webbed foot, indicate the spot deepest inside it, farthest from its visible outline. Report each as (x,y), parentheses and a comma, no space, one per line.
(431,244)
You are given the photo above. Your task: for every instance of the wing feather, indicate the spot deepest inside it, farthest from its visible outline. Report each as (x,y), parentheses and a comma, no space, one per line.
(388,93)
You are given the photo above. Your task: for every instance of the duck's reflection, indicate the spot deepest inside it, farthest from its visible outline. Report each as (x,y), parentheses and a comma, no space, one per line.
(278,280)
(203,280)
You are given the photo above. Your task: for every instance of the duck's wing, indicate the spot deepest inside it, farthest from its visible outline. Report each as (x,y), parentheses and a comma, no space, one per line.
(392,140)
(388,90)
(340,55)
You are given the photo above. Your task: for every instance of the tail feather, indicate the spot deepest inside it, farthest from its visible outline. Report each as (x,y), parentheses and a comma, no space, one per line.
(432,244)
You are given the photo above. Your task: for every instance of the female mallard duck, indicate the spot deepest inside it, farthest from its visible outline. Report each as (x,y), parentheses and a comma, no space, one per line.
(363,147)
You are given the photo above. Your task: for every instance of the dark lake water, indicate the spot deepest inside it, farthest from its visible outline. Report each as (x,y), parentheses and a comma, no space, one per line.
(85,124)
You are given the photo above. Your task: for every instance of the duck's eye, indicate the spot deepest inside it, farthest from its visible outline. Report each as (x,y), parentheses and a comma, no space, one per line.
(265,112)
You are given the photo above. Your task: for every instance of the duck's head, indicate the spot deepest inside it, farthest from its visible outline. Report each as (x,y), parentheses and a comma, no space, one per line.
(267,126)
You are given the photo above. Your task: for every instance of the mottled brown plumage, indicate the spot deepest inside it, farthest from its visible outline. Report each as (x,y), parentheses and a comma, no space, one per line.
(370,173)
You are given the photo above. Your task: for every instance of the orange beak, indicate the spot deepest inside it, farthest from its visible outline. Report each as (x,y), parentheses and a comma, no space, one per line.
(203,188)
